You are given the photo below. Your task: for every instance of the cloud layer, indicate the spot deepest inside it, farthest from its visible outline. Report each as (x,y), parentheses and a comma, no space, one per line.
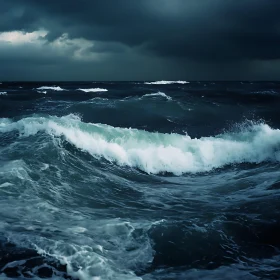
(188,39)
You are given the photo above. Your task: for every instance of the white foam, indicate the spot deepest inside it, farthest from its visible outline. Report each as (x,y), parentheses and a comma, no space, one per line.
(162,94)
(167,82)
(44,167)
(4,122)
(78,229)
(92,89)
(3,93)
(6,185)
(44,91)
(16,168)
(55,88)
(157,152)
(96,99)
(108,258)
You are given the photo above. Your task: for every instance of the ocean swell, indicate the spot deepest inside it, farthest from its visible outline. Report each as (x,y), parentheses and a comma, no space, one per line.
(156,152)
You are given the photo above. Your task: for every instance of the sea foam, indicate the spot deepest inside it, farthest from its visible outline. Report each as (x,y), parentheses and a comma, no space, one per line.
(86,262)
(3,93)
(157,152)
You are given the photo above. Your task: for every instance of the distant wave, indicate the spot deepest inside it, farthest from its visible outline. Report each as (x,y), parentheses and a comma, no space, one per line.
(157,152)
(44,91)
(166,82)
(266,92)
(93,89)
(95,99)
(162,94)
(55,88)
(3,93)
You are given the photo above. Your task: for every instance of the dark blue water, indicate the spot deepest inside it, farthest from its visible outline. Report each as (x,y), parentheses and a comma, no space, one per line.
(135,180)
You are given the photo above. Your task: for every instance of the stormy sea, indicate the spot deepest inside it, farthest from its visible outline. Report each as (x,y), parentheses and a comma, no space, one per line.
(140,180)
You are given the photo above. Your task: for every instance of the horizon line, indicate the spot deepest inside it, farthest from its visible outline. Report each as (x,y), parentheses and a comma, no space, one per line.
(129,81)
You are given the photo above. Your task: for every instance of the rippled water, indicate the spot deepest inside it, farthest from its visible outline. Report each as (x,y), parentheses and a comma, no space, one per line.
(155,180)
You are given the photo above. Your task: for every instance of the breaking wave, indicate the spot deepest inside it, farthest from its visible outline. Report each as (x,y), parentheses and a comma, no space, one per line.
(166,82)
(92,89)
(55,88)
(157,152)
(3,93)
(162,94)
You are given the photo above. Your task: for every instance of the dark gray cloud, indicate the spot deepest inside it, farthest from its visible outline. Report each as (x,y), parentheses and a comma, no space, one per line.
(192,35)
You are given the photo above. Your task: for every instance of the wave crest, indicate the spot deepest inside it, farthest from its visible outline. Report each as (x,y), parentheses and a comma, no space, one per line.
(157,152)
(92,89)
(167,82)
(162,94)
(55,88)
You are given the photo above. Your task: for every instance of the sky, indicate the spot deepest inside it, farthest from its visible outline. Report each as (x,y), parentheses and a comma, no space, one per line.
(99,40)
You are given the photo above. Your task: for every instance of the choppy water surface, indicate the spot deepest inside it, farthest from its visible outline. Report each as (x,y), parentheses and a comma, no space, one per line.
(140,180)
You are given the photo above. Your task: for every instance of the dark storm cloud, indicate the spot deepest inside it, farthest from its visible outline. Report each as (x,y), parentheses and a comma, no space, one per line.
(192,35)
(209,29)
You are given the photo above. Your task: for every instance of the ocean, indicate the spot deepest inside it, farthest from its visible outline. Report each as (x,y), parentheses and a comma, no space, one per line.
(140,180)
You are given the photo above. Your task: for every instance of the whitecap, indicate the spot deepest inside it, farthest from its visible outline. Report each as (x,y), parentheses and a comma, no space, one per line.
(162,94)
(92,89)
(55,88)
(3,93)
(167,82)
